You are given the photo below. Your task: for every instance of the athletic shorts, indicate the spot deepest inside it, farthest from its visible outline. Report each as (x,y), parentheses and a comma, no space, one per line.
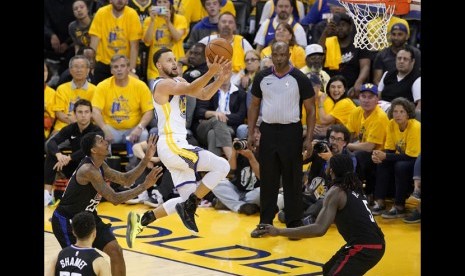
(63,231)
(181,160)
(354,260)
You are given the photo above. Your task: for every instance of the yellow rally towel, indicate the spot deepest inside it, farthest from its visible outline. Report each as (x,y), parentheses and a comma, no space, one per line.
(333,53)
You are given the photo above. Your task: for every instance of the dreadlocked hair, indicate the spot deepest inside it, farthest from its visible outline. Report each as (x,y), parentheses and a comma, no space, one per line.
(345,177)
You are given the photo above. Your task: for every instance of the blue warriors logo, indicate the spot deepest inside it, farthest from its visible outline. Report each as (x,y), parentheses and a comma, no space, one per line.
(400,146)
(120,109)
(182,106)
(116,40)
(360,134)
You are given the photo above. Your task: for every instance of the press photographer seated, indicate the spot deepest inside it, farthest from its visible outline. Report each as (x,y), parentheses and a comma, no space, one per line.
(337,138)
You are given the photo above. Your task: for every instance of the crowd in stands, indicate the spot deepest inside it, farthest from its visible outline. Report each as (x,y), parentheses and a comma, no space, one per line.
(99,75)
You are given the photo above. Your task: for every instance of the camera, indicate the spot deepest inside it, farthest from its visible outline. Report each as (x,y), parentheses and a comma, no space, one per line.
(161,10)
(320,146)
(240,144)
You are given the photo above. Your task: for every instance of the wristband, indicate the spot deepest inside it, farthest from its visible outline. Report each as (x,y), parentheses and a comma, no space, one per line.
(140,126)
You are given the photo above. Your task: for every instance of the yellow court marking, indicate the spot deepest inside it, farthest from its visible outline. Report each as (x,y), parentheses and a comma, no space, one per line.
(224,244)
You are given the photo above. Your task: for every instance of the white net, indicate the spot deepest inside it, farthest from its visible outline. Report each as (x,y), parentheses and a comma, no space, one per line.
(371,21)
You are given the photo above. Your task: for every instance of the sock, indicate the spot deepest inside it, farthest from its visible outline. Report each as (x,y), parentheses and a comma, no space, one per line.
(147,218)
(194,199)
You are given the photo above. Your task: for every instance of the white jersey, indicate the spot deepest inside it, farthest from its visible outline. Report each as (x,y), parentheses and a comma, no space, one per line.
(171,117)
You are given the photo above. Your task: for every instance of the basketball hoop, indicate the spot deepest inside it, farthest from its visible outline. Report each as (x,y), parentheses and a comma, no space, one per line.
(371,19)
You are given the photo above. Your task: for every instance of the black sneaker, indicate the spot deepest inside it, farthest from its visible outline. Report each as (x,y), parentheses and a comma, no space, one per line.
(414,217)
(249,209)
(186,211)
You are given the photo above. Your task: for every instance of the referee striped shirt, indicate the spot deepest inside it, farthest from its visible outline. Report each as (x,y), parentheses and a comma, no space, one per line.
(282,97)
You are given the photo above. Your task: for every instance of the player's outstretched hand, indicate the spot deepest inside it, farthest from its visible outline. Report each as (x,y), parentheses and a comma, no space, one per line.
(217,65)
(151,146)
(267,229)
(152,178)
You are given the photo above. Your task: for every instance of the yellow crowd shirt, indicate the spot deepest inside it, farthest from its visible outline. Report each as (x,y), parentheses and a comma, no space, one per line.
(162,38)
(408,141)
(115,33)
(65,97)
(340,110)
(297,55)
(122,107)
(194,11)
(371,129)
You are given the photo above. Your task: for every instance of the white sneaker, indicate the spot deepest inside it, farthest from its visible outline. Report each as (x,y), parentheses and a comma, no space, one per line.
(139,199)
(47,198)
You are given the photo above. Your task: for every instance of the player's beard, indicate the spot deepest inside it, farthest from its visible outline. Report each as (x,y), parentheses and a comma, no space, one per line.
(169,73)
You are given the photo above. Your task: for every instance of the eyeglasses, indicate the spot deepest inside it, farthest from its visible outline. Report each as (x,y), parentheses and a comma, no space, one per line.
(338,139)
(251,59)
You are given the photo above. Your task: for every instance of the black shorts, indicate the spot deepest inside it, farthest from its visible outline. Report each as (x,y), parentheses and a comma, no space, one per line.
(354,260)
(63,232)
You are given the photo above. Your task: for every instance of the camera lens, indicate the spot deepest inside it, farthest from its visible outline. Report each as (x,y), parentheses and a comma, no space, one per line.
(240,144)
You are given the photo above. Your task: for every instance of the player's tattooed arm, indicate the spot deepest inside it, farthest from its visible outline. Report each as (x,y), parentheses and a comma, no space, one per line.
(125,179)
(92,175)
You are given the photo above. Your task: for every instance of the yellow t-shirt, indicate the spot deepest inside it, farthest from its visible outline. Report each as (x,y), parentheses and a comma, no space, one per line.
(194,11)
(371,129)
(340,110)
(407,141)
(115,33)
(122,107)
(66,96)
(49,101)
(163,39)
(297,55)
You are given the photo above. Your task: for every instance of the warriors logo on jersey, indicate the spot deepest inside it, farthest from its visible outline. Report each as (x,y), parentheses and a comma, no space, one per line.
(182,106)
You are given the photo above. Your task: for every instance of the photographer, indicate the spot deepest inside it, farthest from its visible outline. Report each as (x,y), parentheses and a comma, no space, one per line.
(338,136)
(242,193)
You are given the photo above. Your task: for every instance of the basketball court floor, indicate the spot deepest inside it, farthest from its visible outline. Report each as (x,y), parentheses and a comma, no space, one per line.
(224,246)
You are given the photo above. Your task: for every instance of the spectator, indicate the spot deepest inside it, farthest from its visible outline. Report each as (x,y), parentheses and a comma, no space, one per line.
(58,45)
(385,60)
(194,11)
(219,118)
(405,81)
(285,33)
(354,63)
(142,7)
(226,29)
(266,32)
(252,65)
(208,25)
(68,93)
(314,60)
(79,29)
(242,193)
(395,164)
(89,53)
(163,30)
(282,89)
(367,124)
(268,11)
(122,104)
(335,106)
(116,29)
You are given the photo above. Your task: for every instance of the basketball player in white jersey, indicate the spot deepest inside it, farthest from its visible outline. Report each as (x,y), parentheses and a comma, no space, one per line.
(180,158)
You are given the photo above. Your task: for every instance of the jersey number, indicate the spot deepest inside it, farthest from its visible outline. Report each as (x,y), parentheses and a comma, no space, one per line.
(368,209)
(93,204)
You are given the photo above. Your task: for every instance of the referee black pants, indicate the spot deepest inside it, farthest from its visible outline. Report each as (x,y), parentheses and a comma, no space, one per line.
(281,157)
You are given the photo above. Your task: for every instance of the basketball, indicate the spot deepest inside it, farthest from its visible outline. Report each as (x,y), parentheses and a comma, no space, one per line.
(218,47)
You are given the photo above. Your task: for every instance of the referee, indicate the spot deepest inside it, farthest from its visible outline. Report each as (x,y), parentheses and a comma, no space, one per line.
(281,90)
